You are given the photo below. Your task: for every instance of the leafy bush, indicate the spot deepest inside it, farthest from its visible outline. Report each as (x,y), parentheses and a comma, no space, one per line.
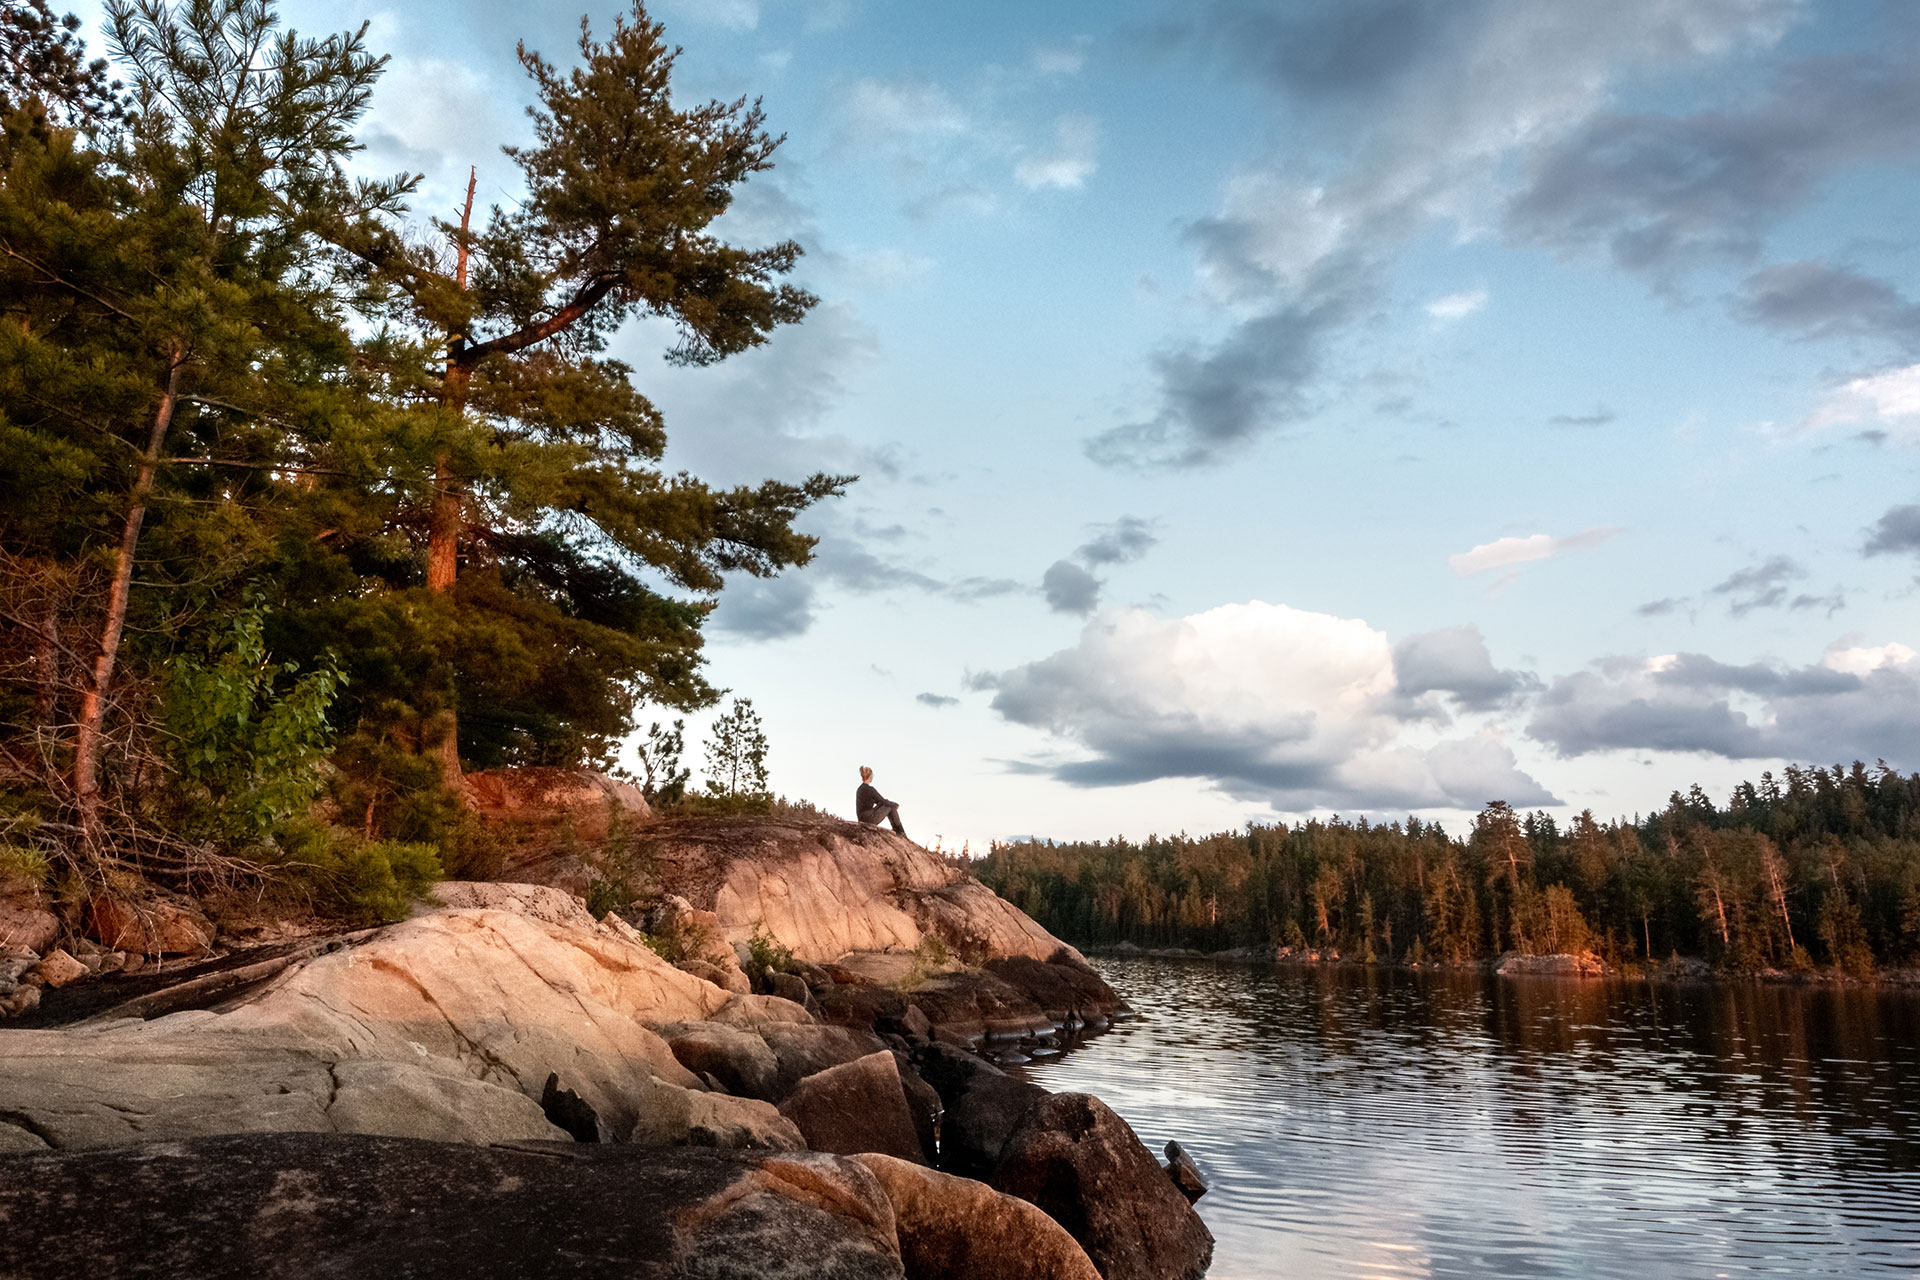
(604,895)
(930,956)
(766,956)
(247,736)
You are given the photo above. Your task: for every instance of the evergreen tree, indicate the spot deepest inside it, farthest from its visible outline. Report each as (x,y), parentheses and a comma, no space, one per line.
(737,753)
(517,619)
(45,73)
(164,342)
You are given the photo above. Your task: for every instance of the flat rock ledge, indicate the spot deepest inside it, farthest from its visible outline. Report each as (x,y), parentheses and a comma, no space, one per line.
(353,1206)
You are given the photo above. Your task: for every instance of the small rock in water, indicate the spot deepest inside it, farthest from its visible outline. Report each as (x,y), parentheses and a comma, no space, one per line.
(1011,1058)
(1185,1173)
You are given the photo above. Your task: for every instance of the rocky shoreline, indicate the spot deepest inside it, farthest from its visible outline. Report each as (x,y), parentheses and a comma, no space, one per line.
(698,1084)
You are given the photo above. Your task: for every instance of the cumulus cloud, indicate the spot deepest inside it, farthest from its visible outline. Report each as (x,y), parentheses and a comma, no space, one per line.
(1895,533)
(1458,306)
(1856,703)
(1890,399)
(1070,589)
(1398,113)
(1302,710)
(1511,551)
(1067,164)
(935,700)
(1455,661)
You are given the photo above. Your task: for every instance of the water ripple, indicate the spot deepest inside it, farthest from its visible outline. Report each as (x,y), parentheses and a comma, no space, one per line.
(1358,1124)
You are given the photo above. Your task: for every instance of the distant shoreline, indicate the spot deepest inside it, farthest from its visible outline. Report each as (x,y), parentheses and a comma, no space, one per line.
(1688,969)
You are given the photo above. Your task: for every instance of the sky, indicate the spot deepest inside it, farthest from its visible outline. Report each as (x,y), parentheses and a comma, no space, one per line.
(1266,409)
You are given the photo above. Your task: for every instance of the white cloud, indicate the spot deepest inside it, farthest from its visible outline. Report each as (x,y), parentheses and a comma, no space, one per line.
(1858,661)
(1510,551)
(1062,60)
(1302,710)
(1891,399)
(880,111)
(1070,162)
(1457,306)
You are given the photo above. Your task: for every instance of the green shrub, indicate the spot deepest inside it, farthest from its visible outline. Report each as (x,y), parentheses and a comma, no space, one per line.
(930,956)
(246,736)
(604,895)
(362,881)
(378,882)
(707,804)
(766,956)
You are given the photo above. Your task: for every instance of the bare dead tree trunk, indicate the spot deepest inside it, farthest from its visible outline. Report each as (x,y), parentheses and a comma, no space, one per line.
(93,697)
(449,496)
(1771,861)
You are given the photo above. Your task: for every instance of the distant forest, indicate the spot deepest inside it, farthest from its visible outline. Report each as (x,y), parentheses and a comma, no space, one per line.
(1820,869)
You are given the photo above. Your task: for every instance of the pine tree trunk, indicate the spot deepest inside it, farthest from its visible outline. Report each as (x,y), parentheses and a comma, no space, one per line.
(93,699)
(449,496)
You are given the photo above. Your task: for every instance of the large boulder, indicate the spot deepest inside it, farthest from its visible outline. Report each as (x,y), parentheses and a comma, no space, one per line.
(737,1058)
(142,1082)
(154,925)
(958,1229)
(587,805)
(486,997)
(823,887)
(804,1049)
(534,901)
(857,1106)
(1065,987)
(984,1107)
(303,1205)
(669,1116)
(1080,1163)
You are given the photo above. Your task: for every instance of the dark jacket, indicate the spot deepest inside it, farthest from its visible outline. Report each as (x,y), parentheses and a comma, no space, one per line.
(867,799)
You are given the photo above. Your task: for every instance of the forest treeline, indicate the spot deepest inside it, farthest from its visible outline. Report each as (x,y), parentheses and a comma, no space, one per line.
(1818,869)
(311,498)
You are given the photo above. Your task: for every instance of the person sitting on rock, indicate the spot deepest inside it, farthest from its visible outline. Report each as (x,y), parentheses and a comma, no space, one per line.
(872,806)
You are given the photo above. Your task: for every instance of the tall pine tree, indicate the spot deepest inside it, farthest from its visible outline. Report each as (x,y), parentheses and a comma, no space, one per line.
(526,562)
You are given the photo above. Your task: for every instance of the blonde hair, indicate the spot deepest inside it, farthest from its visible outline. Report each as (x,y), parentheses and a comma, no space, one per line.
(866,774)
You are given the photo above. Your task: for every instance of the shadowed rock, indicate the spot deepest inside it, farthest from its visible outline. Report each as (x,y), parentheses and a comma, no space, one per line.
(350,1207)
(958,1229)
(984,1105)
(568,1110)
(1082,1164)
(1185,1173)
(857,1106)
(803,1050)
(737,1058)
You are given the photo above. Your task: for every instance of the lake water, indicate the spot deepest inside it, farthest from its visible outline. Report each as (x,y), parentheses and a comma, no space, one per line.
(1359,1123)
